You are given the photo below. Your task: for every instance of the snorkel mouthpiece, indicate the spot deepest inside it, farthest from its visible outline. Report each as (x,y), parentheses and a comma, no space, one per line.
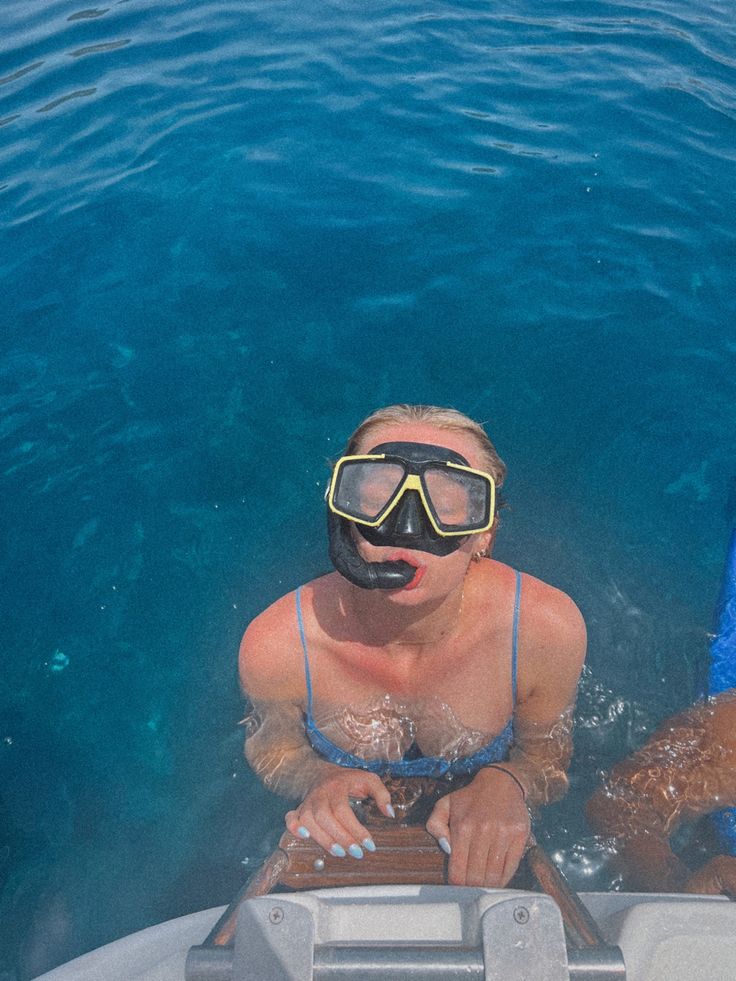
(349,563)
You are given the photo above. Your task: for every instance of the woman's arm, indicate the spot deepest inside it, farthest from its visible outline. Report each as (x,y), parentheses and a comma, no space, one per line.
(278,751)
(540,756)
(277,747)
(549,671)
(686,769)
(486,824)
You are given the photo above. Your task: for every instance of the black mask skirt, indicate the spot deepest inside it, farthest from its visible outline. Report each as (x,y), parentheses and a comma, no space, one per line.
(407,526)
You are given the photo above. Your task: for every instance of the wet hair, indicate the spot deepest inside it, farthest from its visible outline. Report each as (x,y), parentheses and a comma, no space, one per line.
(433,415)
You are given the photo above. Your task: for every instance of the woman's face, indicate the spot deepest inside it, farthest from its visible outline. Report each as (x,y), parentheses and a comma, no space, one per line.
(436,575)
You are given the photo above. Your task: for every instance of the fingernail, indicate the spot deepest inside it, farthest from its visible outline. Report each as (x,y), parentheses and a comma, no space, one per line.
(302,832)
(338,851)
(356,851)
(445,845)
(369,844)
(390,811)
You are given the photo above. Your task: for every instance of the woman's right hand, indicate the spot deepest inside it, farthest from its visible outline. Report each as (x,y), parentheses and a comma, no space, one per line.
(326,816)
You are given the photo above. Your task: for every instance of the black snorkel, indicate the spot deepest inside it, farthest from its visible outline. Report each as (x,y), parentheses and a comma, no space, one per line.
(349,563)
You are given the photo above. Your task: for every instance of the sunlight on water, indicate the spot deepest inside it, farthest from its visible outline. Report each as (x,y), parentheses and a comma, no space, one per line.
(231,230)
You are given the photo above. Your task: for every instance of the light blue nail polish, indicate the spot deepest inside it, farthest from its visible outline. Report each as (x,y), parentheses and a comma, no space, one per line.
(302,832)
(390,811)
(338,851)
(369,844)
(445,845)
(356,851)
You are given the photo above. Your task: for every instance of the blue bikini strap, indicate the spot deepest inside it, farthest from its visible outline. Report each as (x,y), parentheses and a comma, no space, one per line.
(515,636)
(302,635)
(514,642)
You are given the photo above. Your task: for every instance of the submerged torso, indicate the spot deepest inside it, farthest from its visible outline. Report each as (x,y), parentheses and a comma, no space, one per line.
(408,735)
(387,727)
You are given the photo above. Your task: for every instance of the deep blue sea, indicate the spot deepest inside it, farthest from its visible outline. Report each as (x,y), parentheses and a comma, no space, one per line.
(228,231)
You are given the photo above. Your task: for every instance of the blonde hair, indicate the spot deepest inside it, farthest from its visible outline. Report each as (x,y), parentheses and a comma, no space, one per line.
(433,415)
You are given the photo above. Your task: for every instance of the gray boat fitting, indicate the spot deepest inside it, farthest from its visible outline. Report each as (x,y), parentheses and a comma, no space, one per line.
(432,932)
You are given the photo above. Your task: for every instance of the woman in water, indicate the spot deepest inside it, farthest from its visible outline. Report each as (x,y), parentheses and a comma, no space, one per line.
(420,657)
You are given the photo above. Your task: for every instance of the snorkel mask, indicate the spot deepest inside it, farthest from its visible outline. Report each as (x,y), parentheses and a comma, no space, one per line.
(404,495)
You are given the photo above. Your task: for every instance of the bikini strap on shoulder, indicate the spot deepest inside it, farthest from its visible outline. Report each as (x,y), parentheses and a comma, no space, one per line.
(303,638)
(515,635)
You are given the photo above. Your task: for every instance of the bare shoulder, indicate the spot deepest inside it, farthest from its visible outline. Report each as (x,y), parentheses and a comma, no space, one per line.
(270,658)
(270,661)
(552,645)
(552,623)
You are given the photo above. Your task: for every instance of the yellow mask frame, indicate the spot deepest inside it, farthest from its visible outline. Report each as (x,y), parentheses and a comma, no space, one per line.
(413,480)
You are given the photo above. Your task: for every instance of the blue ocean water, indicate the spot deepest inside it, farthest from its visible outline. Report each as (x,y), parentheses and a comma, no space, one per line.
(228,231)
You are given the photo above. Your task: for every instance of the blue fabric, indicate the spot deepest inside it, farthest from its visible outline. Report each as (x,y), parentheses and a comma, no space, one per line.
(722,675)
(420,766)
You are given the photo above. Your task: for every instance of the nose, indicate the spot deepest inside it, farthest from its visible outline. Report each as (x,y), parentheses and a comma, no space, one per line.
(410,517)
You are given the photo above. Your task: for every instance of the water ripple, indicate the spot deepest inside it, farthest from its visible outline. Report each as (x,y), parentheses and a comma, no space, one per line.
(20,72)
(55,103)
(229,227)
(97,48)
(88,14)
(358,69)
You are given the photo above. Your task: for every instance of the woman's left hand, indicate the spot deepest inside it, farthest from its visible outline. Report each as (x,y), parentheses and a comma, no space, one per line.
(485,826)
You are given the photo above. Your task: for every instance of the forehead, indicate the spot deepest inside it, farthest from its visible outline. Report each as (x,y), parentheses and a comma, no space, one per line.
(463,443)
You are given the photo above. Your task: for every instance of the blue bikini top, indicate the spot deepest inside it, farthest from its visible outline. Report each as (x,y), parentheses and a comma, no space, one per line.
(412,764)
